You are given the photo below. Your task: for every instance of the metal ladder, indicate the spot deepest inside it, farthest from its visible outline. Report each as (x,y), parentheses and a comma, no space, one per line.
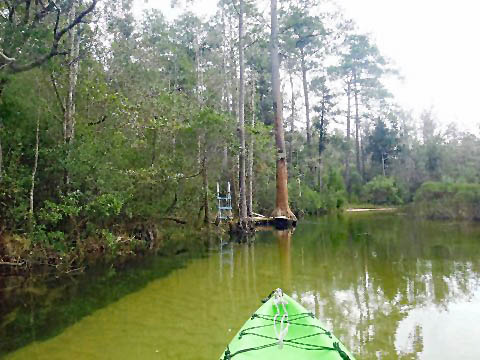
(224,203)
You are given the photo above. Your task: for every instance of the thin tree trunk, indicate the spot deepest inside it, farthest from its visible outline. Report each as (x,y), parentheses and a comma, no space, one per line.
(305,94)
(250,155)
(154,147)
(69,116)
(234,108)
(1,156)
(383,164)
(206,219)
(281,202)
(357,124)
(292,121)
(234,182)
(320,173)
(3,82)
(347,153)
(362,156)
(199,100)
(321,142)
(225,96)
(202,138)
(241,121)
(34,170)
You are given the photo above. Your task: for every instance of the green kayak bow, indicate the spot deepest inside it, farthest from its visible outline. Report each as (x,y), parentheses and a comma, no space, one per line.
(283,329)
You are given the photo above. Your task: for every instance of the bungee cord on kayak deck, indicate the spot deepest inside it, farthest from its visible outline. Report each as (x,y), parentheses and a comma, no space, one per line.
(283,328)
(280,336)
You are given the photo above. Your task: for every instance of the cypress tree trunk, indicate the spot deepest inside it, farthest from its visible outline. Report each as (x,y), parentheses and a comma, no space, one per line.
(281,203)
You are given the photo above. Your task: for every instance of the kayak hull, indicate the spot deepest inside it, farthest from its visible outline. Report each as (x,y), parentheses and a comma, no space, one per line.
(305,339)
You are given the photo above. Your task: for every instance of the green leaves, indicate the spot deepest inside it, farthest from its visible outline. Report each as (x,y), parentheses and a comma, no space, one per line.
(382,190)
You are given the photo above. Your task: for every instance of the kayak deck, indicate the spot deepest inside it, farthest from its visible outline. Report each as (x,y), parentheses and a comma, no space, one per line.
(304,339)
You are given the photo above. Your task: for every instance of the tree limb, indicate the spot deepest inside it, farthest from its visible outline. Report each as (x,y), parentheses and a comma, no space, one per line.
(178,221)
(104,117)
(6,58)
(76,21)
(11,263)
(191,176)
(57,36)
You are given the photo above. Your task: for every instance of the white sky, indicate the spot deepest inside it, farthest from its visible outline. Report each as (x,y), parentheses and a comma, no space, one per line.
(434,43)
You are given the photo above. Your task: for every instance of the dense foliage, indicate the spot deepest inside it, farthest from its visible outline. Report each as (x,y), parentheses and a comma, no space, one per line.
(438,200)
(121,126)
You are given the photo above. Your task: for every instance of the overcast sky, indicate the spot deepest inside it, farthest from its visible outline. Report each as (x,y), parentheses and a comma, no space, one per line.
(434,43)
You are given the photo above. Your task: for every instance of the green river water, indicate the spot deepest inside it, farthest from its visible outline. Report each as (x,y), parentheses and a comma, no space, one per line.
(388,285)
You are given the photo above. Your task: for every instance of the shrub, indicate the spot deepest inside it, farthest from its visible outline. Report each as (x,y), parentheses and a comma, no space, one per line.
(304,199)
(382,190)
(439,200)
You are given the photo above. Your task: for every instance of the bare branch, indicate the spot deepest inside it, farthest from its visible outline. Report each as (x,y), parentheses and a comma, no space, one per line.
(6,58)
(76,21)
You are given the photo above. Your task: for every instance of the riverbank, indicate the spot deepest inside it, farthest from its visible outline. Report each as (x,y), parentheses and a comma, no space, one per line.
(19,254)
(362,209)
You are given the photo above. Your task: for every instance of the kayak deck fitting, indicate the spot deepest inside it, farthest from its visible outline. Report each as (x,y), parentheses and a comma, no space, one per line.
(283,329)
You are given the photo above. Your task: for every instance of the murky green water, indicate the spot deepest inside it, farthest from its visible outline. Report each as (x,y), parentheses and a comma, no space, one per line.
(389,286)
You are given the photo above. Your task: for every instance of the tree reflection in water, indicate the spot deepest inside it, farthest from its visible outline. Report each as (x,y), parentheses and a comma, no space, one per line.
(366,275)
(389,286)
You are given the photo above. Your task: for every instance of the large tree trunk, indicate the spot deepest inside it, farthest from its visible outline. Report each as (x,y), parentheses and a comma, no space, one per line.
(281,205)
(305,93)
(347,152)
(241,121)
(250,156)
(357,124)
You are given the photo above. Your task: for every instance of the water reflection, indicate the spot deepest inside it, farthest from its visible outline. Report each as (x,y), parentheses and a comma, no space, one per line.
(284,239)
(390,287)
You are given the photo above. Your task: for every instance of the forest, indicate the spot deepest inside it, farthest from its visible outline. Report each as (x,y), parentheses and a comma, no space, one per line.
(115,127)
